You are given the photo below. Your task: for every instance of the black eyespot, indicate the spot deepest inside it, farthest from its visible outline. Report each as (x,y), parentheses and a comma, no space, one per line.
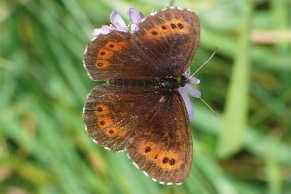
(102,53)
(154,33)
(111,45)
(165,160)
(147,149)
(180,26)
(99,108)
(102,122)
(173,26)
(172,161)
(111,131)
(164,27)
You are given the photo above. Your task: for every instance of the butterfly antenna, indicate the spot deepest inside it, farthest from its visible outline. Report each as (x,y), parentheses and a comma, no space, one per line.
(208,106)
(172,2)
(204,64)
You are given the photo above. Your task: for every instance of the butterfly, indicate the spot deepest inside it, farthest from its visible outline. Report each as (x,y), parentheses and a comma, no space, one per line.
(144,106)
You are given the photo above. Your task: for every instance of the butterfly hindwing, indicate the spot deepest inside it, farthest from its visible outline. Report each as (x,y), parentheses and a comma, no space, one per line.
(108,116)
(162,145)
(163,46)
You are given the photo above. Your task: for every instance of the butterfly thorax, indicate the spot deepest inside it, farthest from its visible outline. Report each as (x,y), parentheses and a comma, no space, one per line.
(167,83)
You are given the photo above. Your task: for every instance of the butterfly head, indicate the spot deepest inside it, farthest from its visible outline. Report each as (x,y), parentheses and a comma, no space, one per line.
(171,83)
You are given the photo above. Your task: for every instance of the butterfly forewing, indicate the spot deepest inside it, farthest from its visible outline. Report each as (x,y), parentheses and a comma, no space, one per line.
(114,56)
(170,37)
(163,46)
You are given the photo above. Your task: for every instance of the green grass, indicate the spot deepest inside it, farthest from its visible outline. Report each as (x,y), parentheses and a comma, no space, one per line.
(243,149)
(236,113)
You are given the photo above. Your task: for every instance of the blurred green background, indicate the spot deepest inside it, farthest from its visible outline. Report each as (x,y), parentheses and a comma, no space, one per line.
(243,148)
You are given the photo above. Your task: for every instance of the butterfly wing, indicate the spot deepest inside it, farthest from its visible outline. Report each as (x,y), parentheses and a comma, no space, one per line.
(170,37)
(163,46)
(109,116)
(162,145)
(151,125)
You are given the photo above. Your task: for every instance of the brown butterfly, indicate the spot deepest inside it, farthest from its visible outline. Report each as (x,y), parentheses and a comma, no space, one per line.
(144,106)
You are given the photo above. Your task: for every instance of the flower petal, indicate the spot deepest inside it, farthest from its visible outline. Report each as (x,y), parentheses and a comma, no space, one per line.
(134,28)
(103,30)
(194,80)
(134,16)
(188,103)
(118,22)
(190,90)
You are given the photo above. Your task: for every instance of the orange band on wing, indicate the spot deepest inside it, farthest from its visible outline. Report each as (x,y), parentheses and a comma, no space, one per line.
(174,26)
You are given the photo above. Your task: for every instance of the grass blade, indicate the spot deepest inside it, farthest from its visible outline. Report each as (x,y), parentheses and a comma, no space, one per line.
(235,118)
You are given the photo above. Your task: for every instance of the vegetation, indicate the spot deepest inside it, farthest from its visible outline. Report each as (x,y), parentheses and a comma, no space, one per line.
(244,148)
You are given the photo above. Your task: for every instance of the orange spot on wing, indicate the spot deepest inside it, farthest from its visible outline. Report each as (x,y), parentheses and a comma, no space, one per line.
(104,54)
(101,64)
(101,109)
(149,150)
(116,46)
(168,160)
(178,26)
(153,34)
(115,131)
(165,29)
(112,132)
(113,46)
(104,122)
(173,26)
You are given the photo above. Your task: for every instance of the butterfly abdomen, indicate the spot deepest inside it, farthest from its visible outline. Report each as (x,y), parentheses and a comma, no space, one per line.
(168,83)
